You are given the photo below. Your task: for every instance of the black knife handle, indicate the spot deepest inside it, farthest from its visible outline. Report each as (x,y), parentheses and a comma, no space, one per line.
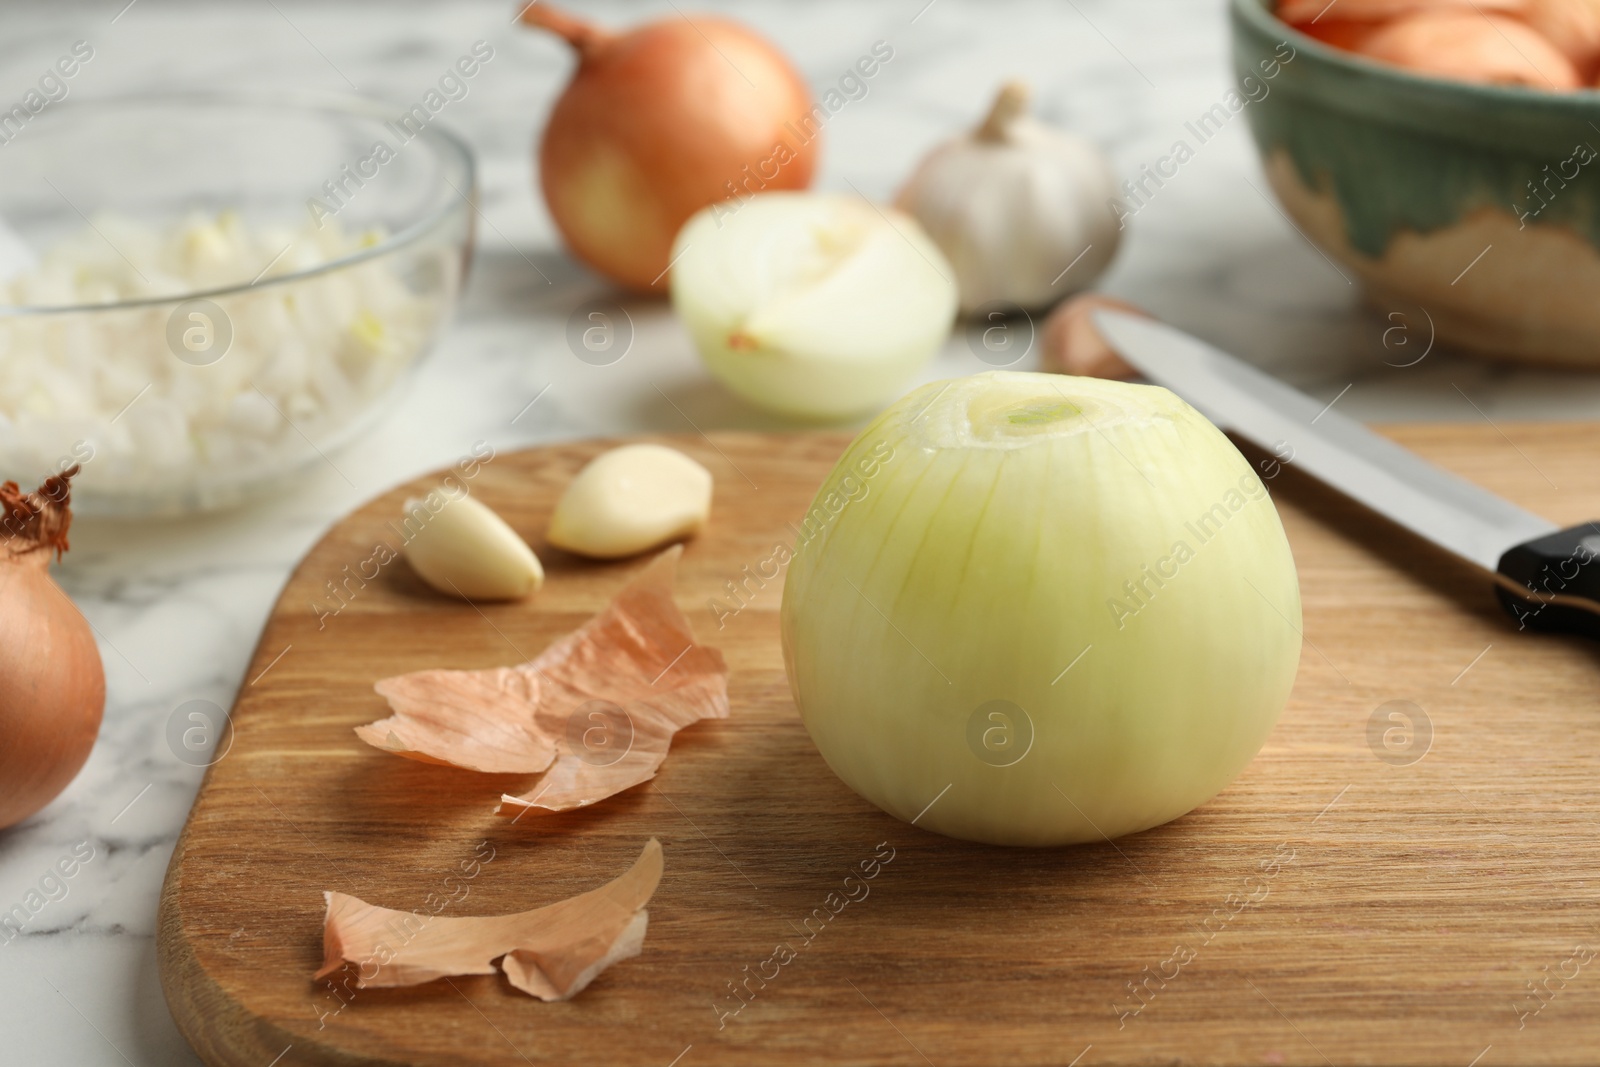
(1553,582)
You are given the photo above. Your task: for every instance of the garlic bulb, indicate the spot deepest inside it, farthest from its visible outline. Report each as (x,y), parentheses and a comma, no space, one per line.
(1014,204)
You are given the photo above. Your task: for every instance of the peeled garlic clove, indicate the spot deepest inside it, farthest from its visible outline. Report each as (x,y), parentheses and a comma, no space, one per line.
(1070,343)
(631,499)
(463,548)
(816,305)
(1020,208)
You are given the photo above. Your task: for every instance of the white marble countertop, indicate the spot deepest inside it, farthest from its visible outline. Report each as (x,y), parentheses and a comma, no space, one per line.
(179,604)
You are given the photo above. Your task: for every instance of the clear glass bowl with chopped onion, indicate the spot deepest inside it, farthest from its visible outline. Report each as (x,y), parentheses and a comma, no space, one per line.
(200,297)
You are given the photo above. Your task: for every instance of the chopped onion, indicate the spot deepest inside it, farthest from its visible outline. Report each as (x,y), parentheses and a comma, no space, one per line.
(306,358)
(1045,610)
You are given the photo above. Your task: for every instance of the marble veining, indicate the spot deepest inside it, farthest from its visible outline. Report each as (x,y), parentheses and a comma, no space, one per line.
(178,605)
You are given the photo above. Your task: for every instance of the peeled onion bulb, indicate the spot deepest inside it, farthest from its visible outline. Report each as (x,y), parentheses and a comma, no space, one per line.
(813,305)
(1049,610)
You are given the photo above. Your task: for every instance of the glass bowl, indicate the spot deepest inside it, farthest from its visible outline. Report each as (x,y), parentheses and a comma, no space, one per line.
(203,296)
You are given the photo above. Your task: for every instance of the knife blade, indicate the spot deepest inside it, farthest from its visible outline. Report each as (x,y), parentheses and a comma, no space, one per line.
(1544,574)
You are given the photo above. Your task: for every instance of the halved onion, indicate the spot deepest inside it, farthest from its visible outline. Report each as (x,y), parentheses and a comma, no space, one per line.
(816,305)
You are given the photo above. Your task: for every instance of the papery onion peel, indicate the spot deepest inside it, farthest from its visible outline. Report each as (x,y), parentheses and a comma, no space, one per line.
(552,952)
(596,711)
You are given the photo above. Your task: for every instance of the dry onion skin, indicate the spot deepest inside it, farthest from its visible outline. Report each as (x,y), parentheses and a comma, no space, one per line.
(52,683)
(552,953)
(479,720)
(658,122)
(596,711)
(1067,611)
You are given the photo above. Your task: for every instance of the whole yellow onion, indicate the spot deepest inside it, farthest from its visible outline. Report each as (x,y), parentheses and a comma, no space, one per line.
(659,121)
(52,684)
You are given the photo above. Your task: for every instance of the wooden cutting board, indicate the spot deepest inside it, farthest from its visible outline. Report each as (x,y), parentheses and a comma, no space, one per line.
(1345,901)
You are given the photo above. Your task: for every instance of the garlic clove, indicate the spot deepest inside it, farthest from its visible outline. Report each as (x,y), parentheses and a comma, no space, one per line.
(631,499)
(1070,343)
(814,305)
(461,547)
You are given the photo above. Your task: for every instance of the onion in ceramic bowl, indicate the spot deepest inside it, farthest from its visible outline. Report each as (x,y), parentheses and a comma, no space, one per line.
(1478,204)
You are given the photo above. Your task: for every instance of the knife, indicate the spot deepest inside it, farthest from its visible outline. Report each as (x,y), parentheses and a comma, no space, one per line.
(1547,578)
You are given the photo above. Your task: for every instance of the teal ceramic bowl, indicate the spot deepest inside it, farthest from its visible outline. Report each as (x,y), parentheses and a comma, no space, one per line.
(1478,204)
